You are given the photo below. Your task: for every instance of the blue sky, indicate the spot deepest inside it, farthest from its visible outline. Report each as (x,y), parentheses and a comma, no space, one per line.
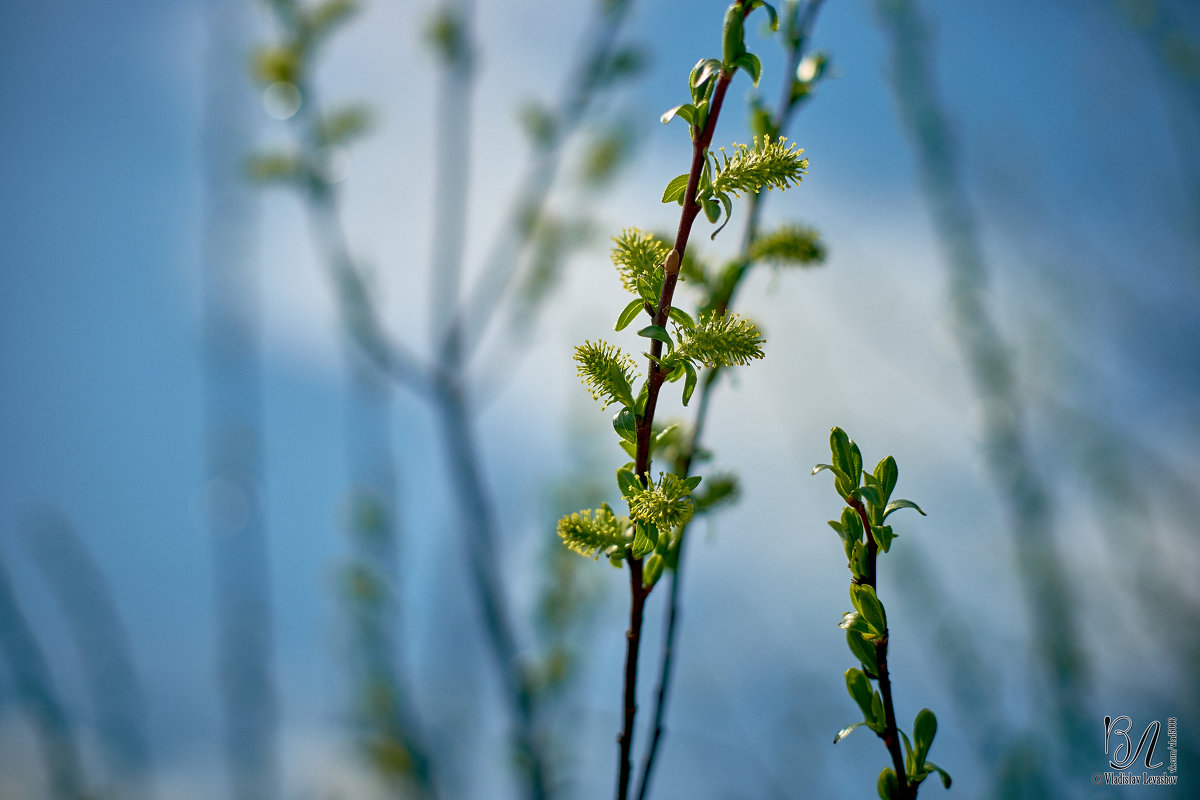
(1069,126)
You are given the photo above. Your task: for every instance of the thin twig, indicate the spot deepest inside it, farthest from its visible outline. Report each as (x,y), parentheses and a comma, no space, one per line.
(633,638)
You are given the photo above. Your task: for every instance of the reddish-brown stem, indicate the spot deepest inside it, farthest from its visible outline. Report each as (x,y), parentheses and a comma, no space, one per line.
(891,739)
(655,378)
(633,640)
(890,736)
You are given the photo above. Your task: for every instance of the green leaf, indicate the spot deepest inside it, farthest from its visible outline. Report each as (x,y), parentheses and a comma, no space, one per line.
(749,62)
(842,448)
(712,210)
(870,494)
(647,290)
(728,204)
(689,384)
(771,13)
(733,40)
(705,68)
(896,505)
(628,482)
(877,714)
(629,314)
(687,111)
(945,776)
(863,650)
(844,732)
(852,522)
(859,561)
(887,472)
(864,599)
(625,424)
(909,761)
(681,318)
(642,543)
(887,786)
(924,729)
(854,621)
(659,333)
(883,536)
(851,546)
(676,189)
(692,482)
(860,690)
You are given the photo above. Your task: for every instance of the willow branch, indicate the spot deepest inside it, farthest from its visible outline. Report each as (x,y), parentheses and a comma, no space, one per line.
(644,423)
(684,463)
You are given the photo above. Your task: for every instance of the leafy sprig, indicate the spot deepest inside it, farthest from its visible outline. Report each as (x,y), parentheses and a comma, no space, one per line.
(864,534)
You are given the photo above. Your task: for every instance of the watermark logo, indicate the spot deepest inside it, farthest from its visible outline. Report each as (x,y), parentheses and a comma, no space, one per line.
(1118,746)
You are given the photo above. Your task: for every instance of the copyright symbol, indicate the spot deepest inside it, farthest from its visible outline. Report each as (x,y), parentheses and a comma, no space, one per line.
(1097,778)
